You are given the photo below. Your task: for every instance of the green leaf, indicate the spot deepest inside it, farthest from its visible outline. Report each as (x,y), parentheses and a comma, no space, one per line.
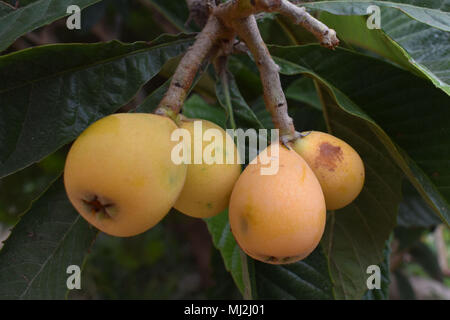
(49,238)
(15,23)
(5,9)
(219,228)
(246,75)
(197,108)
(405,112)
(259,107)
(263,278)
(303,90)
(306,279)
(151,102)
(411,44)
(176,12)
(50,94)
(414,211)
(432,13)
(19,190)
(355,235)
(245,117)
(352,100)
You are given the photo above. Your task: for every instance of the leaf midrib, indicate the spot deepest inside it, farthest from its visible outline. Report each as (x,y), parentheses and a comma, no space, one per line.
(92,65)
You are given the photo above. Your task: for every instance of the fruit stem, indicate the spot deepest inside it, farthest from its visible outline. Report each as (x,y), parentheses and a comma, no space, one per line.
(189,65)
(275,100)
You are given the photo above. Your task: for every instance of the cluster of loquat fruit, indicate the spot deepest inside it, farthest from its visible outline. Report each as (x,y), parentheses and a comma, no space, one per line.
(120,177)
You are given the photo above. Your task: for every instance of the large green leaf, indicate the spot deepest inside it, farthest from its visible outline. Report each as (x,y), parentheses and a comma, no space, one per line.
(432,12)
(280,30)
(414,211)
(19,190)
(151,102)
(245,117)
(306,279)
(16,22)
(407,42)
(219,228)
(413,34)
(303,90)
(246,75)
(401,109)
(352,99)
(50,94)
(51,237)
(355,236)
(197,108)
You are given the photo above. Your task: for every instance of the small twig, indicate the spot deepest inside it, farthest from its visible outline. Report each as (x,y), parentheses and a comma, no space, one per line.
(188,67)
(238,16)
(326,36)
(274,97)
(239,9)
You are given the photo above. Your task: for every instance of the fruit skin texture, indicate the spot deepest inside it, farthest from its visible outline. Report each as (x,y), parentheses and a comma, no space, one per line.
(336,164)
(119,174)
(208,187)
(278,218)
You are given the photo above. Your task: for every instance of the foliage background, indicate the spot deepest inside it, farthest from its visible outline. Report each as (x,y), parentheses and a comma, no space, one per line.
(385,92)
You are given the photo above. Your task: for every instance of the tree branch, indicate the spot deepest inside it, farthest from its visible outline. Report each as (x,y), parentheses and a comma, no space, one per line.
(188,67)
(274,97)
(326,36)
(237,17)
(239,9)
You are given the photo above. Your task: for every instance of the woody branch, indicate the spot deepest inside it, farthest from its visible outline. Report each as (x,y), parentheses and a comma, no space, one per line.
(237,17)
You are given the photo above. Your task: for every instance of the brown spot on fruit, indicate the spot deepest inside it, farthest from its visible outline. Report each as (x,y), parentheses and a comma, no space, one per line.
(328,156)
